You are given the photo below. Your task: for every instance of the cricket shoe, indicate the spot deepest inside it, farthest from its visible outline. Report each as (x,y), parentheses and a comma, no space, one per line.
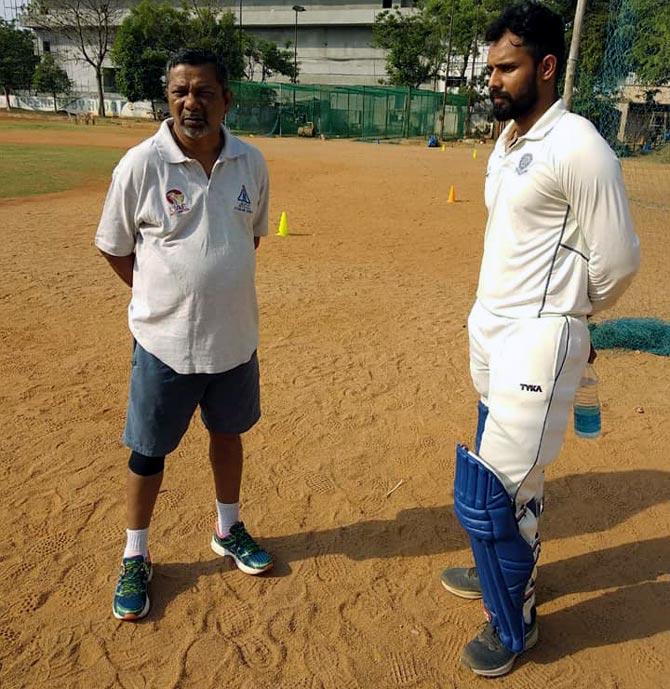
(238,544)
(462,582)
(486,655)
(131,597)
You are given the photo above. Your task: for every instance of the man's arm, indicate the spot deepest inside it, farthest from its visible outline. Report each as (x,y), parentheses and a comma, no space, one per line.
(117,230)
(593,184)
(262,210)
(122,266)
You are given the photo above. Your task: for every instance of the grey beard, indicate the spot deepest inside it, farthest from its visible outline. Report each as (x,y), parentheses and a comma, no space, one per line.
(196,133)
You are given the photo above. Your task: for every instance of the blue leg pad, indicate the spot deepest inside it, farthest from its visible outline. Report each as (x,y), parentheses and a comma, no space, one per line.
(482,413)
(504,560)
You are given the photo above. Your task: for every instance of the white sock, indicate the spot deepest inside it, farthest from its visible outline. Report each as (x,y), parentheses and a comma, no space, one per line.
(136,542)
(228,514)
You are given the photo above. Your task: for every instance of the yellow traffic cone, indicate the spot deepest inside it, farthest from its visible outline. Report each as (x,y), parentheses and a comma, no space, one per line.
(443,147)
(283,225)
(452,194)
(474,154)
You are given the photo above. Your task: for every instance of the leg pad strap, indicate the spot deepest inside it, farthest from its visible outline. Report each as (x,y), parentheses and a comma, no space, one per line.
(482,414)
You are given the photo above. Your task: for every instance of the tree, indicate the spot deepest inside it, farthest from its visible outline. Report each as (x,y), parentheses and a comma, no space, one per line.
(17,58)
(458,23)
(269,57)
(155,29)
(462,25)
(414,45)
(144,41)
(88,24)
(216,32)
(651,47)
(49,77)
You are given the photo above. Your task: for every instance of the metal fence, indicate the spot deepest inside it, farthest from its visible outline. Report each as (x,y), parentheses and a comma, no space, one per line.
(362,112)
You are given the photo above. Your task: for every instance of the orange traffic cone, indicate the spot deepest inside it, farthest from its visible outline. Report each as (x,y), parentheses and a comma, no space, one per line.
(452,194)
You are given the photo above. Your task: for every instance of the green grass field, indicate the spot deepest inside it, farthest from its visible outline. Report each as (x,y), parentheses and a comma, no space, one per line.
(662,155)
(30,170)
(22,125)
(21,120)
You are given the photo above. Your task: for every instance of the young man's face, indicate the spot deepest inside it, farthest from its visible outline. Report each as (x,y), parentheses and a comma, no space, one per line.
(513,78)
(197,101)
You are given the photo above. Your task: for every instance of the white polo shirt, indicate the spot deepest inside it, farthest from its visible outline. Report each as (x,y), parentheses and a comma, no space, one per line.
(193,300)
(559,238)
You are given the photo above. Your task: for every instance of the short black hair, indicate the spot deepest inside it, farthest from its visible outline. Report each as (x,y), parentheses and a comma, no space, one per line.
(198,56)
(541,29)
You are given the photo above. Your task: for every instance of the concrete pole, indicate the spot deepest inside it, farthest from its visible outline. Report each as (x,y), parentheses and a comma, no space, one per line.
(571,68)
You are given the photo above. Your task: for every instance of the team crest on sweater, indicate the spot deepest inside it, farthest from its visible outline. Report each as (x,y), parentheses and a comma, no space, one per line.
(177,202)
(524,163)
(243,201)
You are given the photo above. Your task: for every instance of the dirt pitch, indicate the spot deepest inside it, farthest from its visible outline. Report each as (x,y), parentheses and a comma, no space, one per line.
(365,384)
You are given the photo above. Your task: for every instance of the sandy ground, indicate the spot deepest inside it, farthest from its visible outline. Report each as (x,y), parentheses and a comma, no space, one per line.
(365,384)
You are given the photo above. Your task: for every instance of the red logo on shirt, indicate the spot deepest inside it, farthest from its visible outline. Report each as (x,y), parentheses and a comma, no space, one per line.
(177,202)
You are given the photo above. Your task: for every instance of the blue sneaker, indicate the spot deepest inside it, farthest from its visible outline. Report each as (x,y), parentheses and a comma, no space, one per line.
(238,544)
(131,597)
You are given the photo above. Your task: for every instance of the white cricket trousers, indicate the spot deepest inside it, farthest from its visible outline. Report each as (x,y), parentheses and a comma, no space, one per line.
(526,372)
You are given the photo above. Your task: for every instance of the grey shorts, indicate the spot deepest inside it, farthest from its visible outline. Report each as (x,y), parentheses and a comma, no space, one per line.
(161,402)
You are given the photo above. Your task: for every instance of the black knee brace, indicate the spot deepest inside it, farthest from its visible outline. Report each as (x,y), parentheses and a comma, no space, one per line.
(145,466)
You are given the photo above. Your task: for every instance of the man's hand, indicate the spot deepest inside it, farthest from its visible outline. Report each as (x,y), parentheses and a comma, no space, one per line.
(122,265)
(257,242)
(592,354)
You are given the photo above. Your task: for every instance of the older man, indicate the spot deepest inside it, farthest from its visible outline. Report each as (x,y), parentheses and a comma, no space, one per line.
(183,216)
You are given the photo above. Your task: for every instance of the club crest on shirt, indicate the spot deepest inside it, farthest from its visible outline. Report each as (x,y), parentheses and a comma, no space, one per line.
(177,202)
(243,201)
(526,160)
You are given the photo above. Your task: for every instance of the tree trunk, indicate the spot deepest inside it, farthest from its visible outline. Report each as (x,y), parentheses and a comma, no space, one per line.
(153,110)
(408,109)
(6,90)
(55,103)
(101,93)
(464,67)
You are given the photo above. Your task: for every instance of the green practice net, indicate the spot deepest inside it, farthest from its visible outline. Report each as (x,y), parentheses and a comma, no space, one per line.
(627,96)
(641,334)
(361,112)
(623,87)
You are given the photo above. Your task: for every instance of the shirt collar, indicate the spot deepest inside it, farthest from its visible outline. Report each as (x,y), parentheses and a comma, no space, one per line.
(170,152)
(543,126)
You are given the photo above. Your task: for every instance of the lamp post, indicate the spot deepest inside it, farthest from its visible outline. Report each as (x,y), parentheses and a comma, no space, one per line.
(240,26)
(446,70)
(296,9)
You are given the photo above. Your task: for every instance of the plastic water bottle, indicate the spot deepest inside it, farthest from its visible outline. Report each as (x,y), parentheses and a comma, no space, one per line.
(587,405)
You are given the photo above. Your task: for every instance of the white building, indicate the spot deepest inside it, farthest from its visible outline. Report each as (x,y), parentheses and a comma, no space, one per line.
(645,116)
(334,39)
(334,44)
